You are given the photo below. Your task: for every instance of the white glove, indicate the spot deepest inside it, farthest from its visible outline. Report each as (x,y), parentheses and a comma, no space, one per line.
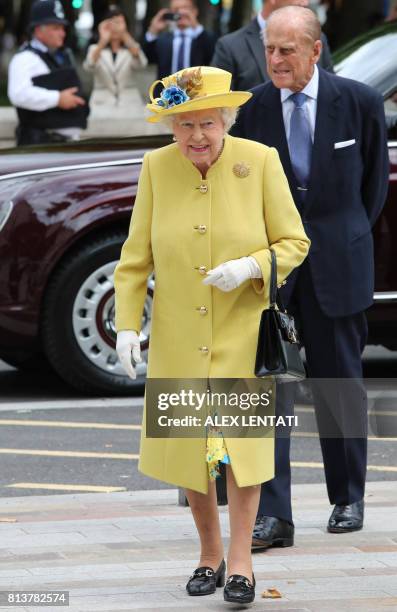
(231,274)
(127,344)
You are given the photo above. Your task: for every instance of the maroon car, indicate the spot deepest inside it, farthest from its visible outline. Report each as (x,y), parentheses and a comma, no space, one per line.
(64,214)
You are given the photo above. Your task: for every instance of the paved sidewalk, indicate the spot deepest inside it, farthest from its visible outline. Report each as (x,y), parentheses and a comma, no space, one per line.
(135,551)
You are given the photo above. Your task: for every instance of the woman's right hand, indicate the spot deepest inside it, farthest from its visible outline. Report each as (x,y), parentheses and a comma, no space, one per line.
(128,345)
(104,31)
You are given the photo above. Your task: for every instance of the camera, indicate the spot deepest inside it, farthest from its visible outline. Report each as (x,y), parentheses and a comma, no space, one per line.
(171,16)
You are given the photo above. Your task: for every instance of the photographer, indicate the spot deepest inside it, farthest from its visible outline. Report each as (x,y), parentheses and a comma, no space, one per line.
(176,40)
(113,61)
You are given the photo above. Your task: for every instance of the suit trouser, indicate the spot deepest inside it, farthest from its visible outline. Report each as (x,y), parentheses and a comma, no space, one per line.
(333,349)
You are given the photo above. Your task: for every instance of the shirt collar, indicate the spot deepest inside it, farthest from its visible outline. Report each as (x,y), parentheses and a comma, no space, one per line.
(311,89)
(37,44)
(261,21)
(190,32)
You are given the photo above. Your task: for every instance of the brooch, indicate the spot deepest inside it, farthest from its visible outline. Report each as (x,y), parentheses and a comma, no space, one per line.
(241,169)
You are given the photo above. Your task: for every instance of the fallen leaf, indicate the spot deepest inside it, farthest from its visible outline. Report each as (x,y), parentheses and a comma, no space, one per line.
(271,593)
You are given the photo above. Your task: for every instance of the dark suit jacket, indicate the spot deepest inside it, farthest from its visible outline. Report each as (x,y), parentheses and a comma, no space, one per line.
(159,51)
(242,53)
(347,186)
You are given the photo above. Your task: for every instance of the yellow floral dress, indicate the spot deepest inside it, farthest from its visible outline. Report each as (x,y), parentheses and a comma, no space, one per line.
(216,452)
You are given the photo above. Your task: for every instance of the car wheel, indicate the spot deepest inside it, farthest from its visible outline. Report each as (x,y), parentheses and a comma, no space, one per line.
(36,362)
(78,328)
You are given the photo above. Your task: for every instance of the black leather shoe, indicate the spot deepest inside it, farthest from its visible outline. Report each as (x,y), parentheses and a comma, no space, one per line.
(238,589)
(204,580)
(347,518)
(271,531)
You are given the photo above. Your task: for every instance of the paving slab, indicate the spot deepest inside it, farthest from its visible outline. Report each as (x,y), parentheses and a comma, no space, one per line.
(135,550)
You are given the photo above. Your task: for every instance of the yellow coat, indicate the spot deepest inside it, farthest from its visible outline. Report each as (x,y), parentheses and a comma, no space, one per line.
(176,228)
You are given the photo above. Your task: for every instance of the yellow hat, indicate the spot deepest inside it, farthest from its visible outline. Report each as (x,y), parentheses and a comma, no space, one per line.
(194,89)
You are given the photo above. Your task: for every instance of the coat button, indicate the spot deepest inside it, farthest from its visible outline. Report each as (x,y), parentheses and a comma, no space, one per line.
(203,188)
(202,270)
(204,350)
(203,310)
(201,228)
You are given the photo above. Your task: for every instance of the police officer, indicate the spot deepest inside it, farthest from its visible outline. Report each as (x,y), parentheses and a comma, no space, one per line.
(43,83)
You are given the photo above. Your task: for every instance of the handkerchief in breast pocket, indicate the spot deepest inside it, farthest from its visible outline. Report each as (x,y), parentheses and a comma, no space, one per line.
(344,143)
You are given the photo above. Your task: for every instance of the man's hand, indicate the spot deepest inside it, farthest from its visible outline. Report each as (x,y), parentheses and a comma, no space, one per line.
(128,346)
(68,99)
(158,24)
(233,273)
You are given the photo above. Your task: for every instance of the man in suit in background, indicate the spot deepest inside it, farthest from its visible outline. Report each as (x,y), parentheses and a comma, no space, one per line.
(186,44)
(331,137)
(242,52)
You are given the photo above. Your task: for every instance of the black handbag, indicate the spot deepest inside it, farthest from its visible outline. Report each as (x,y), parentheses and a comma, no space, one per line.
(277,353)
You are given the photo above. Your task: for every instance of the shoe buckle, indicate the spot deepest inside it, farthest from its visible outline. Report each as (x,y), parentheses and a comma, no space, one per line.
(209,573)
(247,582)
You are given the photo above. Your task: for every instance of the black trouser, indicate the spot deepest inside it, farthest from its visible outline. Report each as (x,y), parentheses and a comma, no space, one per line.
(333,351)
(32,136)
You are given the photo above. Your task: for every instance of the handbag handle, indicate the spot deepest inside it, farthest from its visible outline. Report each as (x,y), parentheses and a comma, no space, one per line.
(273,281)
(274,297)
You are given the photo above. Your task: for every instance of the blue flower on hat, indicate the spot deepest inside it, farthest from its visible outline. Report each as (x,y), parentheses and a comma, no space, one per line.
(172,96)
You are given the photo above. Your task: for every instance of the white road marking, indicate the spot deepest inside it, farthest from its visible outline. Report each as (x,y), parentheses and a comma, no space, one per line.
(65,487)
(104,403)
(67,424)
(54,453)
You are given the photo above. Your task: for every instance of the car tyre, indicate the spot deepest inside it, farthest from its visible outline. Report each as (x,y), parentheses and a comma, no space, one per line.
(81,346)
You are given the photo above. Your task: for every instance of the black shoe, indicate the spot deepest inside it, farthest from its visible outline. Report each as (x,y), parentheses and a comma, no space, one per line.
(238,589)
(204,580)
(271,531)
(347,518)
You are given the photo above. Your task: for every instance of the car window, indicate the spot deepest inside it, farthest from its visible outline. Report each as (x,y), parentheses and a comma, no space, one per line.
(374,63)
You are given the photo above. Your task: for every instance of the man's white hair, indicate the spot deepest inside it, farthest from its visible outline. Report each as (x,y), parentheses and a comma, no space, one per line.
(302,18)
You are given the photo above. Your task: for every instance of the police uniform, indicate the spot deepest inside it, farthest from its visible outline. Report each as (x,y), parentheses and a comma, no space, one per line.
(35,78)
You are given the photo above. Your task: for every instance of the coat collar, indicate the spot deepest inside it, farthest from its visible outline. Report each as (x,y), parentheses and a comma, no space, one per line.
(273,131)
(328,111)
(255,44)
(114,66)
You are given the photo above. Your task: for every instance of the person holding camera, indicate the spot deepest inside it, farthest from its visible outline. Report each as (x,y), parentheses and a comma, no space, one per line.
(176,40)
(113,62)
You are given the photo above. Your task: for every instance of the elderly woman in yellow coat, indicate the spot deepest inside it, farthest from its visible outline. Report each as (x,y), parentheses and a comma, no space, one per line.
(208,209)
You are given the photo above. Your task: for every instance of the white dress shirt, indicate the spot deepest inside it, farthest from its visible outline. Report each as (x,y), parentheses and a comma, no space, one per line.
(190,34)
(310,106)
(261,22)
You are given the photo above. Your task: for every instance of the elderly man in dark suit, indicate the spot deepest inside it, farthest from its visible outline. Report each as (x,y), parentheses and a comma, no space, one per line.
(331,137)
(175,39)
(242,52)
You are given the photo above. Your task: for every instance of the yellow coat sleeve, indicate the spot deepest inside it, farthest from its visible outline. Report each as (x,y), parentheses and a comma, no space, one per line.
(285,232)
(136,261)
